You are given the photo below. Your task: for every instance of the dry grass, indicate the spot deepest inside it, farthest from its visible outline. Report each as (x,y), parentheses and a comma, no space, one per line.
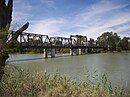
(44,85)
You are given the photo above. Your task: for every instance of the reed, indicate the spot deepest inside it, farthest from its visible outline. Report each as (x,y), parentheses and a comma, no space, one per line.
(41,84)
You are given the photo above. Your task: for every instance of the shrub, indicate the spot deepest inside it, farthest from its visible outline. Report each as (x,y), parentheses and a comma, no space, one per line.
(41,84)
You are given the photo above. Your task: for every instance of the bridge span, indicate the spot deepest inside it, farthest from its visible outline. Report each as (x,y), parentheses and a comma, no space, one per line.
(78,44)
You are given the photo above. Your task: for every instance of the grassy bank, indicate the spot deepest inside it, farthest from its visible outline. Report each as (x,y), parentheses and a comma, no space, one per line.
(41,84)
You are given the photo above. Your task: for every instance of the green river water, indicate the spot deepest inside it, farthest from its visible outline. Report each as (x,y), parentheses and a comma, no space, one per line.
(115,65)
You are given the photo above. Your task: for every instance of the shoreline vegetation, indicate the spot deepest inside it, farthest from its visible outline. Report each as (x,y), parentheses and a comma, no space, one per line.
(67,52)
(61,51)
(35,51)
(19,83)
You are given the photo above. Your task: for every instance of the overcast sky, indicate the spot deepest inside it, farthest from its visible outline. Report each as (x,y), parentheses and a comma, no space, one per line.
(65,17)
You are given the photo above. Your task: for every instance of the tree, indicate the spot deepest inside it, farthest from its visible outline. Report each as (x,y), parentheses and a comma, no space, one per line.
(117,40)
(5,22)
(5,13)
(125,43)
(109,41)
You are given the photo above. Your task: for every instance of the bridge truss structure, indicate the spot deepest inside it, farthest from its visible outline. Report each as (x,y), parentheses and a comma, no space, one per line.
(76,43)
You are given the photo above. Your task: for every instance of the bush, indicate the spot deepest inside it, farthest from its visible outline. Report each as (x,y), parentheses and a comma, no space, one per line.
(41,84)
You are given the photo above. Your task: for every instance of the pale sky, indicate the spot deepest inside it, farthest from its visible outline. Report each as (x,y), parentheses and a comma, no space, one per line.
(65,17)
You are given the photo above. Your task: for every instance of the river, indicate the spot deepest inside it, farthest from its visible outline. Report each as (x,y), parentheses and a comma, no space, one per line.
(115,65)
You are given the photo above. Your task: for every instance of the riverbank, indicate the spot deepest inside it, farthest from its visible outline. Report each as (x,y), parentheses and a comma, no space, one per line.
(42,84)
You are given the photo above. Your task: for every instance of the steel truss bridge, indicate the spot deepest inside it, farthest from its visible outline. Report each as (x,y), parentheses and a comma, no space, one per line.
(76,43)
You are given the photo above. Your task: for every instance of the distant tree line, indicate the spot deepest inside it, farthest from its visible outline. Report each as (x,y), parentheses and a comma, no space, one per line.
(112,42)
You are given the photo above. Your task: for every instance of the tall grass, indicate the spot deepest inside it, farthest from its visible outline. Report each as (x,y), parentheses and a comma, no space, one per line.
(42,84)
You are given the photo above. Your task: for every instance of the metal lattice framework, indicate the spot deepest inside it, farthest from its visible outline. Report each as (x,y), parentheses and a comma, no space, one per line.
(30,40)
(34,40)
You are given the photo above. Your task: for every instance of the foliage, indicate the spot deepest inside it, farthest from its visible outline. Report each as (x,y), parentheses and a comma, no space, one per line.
(5,21)
(125,43)
(108,40)
(3,34)
(64,50)
(41,84)
(6,8)
(35,51)
(3,52)
(112,42)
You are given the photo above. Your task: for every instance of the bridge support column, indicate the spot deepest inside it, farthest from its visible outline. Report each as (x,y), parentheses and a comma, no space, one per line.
(80,51)
(52,53)
(86,50)
(71,52)
(77,51)
(45,53)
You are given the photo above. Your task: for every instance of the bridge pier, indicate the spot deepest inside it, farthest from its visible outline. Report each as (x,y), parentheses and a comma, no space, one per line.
(80,51)
(86,50)
(76,52)
(45,53)
(71,52)
(52,52)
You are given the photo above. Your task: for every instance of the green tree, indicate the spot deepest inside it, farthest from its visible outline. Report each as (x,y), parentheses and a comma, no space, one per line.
(117,42)
(125,43)
(109,41)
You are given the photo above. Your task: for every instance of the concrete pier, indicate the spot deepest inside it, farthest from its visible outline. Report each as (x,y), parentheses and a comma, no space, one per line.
(52,52)
(71,52)
(80,51)
(45,53)
(76,52)
(86,50)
